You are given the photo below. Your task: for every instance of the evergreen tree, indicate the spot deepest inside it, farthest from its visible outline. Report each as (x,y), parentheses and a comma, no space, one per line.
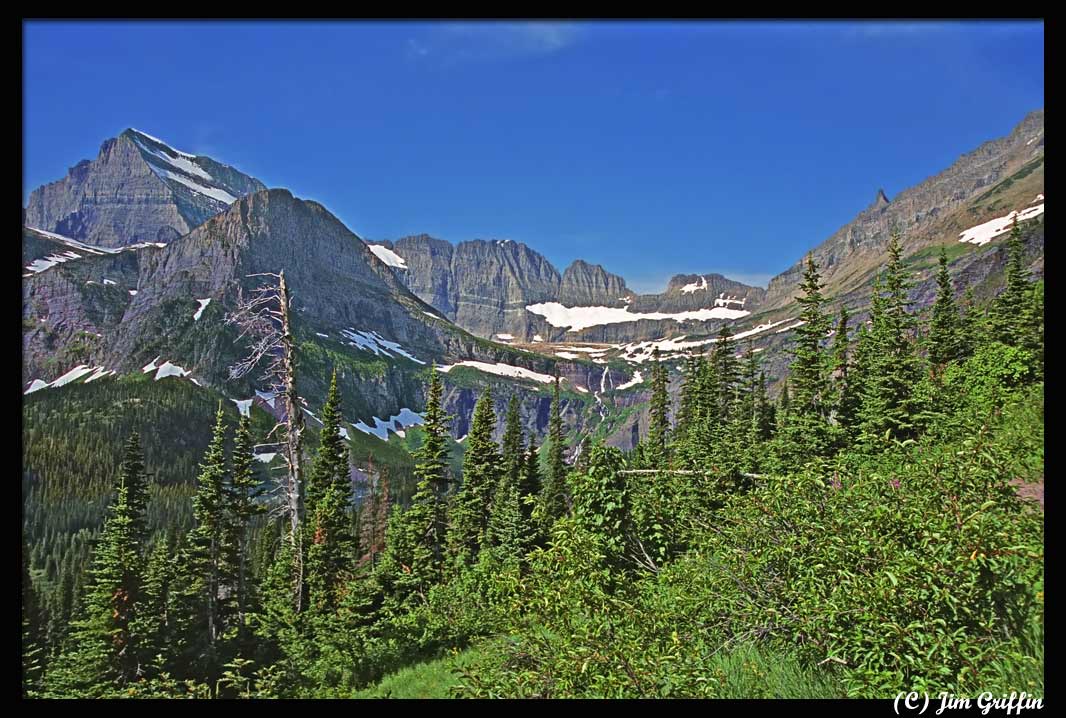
(727,374)
(414,539)
(209,557)
(945,339)
(32,633)
(468,525)
(845,397)
(244,491)
(892,370)
(152,628)
(102,654)
(808,370)
(512,451)
(806,433)
(1007,318)
(659,415)
(553,499)
(330,548)
(529,486)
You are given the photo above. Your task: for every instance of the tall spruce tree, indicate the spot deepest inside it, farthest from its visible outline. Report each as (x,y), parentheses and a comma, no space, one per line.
(414,539)
(512,451)
(553,499)
(806,433)
(102,654)
(244,491)
(845,398)
(659,416)
(1007,318)
(945,341)
(209,559)
(330,548)
(469,518)
(889,404)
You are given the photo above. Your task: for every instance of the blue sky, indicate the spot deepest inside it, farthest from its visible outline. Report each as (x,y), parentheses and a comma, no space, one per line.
(653,148)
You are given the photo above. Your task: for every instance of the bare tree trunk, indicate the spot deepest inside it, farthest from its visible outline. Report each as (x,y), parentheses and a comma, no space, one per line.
(264,319)
(294,430)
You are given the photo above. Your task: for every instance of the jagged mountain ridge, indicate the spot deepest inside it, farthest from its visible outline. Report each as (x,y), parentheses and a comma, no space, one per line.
(486,287)
(138,189)
(350,312)
(846,257)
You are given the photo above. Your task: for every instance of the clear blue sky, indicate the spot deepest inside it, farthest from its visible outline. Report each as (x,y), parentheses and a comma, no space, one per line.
(652,148)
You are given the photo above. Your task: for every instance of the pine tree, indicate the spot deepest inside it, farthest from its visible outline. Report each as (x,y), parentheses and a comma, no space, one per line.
(889,404)
(208,557)
(945,340)
(102,654)
(659,415)
(414,539)
(152,628)
(330,548)
(553,499)
(469,518)
(529,487)
(806,432)
(765,410)
(32,633)
(512,451)
(808,369)
(845,398)
(687,408)
(1007,318)
(244,491)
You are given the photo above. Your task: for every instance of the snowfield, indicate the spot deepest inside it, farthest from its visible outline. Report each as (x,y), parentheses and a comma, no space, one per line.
(73,375)
(984,233)
(387,256)
(578,318)
(515,372)
(374,342)
(396,424)
(200,311)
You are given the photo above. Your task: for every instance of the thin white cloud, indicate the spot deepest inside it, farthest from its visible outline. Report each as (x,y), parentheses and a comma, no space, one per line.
(461,42)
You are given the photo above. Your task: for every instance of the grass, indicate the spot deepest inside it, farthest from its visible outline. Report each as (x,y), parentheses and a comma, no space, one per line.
(431,679)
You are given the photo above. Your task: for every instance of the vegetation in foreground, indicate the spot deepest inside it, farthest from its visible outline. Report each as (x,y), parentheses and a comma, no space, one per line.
(860,536)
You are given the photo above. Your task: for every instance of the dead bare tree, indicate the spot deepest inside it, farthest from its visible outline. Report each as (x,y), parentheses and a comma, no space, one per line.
(263,320)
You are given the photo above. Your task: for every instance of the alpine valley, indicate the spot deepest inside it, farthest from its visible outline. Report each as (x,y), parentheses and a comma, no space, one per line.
(137,266)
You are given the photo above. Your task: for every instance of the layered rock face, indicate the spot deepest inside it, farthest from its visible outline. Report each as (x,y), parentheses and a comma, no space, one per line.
(486,286)
(585,284)
(849,251)
(138,189)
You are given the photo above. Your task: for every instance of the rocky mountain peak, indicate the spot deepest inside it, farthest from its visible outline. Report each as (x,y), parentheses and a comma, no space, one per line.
(138,189)
(880,200)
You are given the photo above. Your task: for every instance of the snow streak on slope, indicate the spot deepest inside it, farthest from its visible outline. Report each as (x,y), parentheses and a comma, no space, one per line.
(984,233)
(373,342)
(395,424)
(514,372)
(83,250)
(168,163)
(387,256)
(693,286)
(73,375)
(200,311)
(578,318)
(640,352)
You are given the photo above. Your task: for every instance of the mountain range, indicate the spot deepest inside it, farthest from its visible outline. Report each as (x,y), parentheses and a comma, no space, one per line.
(133,260)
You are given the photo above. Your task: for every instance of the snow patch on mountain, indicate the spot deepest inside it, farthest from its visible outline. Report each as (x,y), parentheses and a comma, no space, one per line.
(693,286)
(200,311)
(395,423)
(387,256)
(638,378)
(984,233)
(374,342)
(578,318)
(514,372)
